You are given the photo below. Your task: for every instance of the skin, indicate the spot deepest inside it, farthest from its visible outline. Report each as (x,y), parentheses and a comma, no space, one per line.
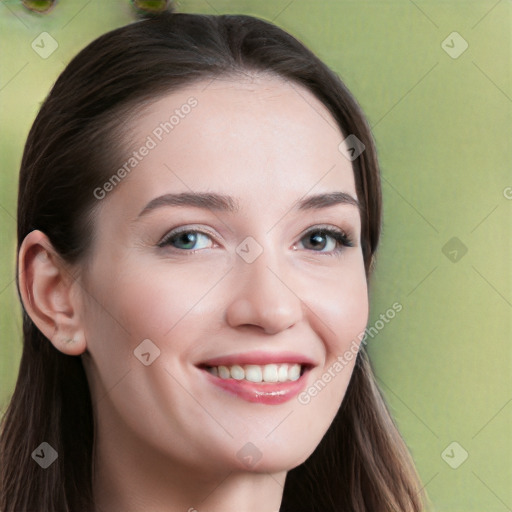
(167,439)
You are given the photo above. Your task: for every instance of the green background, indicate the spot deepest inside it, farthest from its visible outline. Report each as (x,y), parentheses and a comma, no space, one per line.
(442,127)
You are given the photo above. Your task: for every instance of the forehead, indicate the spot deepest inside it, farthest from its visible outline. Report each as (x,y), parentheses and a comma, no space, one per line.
(249,137)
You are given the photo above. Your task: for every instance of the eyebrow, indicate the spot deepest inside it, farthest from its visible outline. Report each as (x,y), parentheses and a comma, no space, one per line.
(220,202)
(325,200)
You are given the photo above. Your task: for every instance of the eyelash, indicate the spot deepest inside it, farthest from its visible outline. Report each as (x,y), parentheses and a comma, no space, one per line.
(339,236)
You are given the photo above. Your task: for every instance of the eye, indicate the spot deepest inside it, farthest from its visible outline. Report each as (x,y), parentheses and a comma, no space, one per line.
(326,240)
(187,240)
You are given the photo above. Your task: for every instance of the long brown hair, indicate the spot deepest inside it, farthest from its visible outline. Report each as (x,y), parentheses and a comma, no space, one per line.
(362,463)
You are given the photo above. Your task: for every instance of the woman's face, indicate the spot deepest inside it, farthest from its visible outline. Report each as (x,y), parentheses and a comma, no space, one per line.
(209,261)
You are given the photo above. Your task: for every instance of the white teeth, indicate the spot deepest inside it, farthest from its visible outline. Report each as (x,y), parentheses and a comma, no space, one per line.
(294,372)
(253,373)
(270,373)
(237,372)
(282,373)
(224,372)
(258,373)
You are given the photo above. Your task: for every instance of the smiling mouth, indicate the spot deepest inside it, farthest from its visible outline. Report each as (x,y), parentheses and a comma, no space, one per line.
(259,376)
(270,384)
(267,373)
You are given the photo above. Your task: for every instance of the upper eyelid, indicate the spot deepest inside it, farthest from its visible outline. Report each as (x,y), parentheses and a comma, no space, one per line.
(326,227)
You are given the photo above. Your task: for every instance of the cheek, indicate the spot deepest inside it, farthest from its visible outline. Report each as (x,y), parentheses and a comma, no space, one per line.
(340,305)
(347,315)
(152,302)
(172,306)
(340,310)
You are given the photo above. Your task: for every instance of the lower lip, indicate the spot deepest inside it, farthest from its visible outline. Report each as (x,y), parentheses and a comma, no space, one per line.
(269,393)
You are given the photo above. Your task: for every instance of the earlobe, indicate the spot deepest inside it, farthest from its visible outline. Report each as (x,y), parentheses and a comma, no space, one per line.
(47,289)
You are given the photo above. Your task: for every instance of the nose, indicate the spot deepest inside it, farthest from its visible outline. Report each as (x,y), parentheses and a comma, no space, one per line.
(263,297)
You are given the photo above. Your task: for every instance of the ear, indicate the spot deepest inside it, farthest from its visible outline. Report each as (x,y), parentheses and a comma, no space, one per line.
(50,294)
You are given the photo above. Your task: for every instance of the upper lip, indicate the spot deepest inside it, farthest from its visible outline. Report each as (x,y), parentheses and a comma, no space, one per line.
(259,358)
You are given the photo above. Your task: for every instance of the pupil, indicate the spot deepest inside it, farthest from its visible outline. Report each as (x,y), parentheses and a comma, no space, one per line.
(317,240)
(188,239)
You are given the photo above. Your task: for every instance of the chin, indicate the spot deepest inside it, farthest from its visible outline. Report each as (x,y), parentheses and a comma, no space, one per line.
(270,460)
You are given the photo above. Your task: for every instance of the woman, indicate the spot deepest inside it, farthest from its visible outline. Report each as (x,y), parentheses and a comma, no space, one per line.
(199,210)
